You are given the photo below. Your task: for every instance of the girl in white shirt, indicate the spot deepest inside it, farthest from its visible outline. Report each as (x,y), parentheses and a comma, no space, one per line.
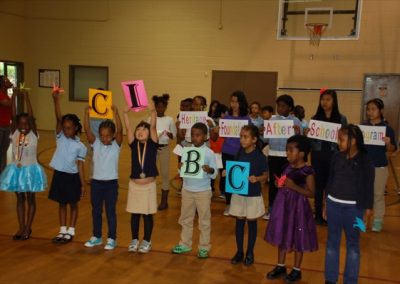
(166,130)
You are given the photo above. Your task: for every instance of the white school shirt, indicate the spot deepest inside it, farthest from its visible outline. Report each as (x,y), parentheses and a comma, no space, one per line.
(165,123)
(105,160)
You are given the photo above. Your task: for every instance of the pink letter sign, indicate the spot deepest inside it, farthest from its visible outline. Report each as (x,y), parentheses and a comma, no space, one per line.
(135,94)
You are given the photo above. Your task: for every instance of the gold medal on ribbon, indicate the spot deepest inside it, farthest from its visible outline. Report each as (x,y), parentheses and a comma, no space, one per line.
(141,158)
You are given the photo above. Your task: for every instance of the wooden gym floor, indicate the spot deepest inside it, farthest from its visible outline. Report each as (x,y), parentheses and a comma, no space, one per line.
(37,260)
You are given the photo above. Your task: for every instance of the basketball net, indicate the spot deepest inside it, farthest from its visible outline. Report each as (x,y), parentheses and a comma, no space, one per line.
(315,31)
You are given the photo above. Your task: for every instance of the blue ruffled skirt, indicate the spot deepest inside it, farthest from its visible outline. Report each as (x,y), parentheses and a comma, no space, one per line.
(30,178)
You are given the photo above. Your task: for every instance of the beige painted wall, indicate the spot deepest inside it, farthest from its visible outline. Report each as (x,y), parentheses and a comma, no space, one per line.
(174,45)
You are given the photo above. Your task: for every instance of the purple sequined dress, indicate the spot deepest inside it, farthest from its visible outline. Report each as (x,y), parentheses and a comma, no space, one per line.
(291,226)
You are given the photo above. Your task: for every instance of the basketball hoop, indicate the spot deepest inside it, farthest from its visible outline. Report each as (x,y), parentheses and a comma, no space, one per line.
(315,31)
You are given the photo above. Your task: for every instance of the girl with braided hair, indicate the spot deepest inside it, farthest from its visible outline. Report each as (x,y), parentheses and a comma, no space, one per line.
(67,185)
(350,198)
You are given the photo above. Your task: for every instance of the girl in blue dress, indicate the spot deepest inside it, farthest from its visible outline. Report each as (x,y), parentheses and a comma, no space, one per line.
(24,175)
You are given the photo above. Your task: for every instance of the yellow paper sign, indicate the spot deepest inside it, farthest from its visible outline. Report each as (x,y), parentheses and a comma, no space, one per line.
(100,103)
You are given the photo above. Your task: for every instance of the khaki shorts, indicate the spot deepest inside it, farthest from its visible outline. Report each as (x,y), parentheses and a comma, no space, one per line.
(250,207)
(142,198)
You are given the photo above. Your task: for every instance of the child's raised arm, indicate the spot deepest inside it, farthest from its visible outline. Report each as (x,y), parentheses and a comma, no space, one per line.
(86,124)
(118,124)
(29,109)
(57,109)
(14,111)
(153,123)
(129,130)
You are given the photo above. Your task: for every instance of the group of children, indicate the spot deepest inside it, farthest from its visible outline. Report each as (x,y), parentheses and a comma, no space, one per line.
(341,174)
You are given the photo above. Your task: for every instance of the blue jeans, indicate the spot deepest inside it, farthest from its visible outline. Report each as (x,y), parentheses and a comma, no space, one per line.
(104,192)
(342,217)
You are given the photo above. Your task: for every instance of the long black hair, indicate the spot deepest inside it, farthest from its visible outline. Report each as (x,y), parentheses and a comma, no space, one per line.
(75,120)
(379,104)
(335,115)
(354,132)
(243,105)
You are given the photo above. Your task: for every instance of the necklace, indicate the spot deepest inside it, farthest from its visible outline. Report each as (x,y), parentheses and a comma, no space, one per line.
(20,148)
(141,158)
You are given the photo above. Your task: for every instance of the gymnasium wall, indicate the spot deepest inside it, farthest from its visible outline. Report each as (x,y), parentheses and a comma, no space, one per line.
(174,45)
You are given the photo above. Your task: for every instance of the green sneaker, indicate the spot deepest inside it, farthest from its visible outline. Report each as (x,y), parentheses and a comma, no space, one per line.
(377,225)
(179,249)
(203,253)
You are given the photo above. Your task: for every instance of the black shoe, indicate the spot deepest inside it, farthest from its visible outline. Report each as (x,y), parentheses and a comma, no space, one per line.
(293,276)
(321,221)
(58,239)
(27,236)
(238,258)
(329,282)
(249,260)
(277,272)
(16,237)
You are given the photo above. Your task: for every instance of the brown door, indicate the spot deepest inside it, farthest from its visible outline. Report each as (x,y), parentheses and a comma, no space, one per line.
(258,86)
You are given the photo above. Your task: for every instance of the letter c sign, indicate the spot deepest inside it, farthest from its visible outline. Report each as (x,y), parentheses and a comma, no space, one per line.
(237,177)
(100,102)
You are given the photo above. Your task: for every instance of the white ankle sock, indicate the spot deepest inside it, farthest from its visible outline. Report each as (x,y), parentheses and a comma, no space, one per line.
(296,268)
(63,229)
(281,265)
(71,231)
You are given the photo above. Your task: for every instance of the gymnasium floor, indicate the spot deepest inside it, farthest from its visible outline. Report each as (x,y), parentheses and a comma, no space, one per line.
(39,261)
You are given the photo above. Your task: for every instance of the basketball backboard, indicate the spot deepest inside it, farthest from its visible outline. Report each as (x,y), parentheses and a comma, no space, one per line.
(341,17)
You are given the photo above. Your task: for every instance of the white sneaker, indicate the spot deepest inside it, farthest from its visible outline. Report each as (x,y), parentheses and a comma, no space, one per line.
(133,247)
(226,211)
(111,244)
(266,216)
(145,247)
(93,242)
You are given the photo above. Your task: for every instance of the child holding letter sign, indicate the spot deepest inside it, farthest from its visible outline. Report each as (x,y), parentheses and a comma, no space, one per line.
(196,196)
(377,154)
(250,207)
(277,146)
(322,151)
(142,193)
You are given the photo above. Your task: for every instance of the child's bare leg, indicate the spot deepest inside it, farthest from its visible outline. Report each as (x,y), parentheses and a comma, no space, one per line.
(281,256)
(298,258)
(62,214)
(20,212)
(31,212)
(74,214)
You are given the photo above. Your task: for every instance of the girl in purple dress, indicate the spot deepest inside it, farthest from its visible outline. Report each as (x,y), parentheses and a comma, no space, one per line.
(292,226)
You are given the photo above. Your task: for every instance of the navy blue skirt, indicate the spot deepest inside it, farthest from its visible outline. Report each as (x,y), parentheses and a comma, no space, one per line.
(65,187)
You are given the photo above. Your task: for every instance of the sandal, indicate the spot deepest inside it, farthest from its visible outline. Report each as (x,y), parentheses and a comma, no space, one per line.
(66,238)
(58,239)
